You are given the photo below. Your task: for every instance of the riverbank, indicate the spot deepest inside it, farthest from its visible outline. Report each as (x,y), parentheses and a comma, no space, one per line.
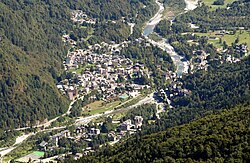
(158,16)
(182,65)
(191,4)
(150,25)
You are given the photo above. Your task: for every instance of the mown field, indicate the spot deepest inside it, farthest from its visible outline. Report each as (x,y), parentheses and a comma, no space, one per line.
(243,35)
(214,7)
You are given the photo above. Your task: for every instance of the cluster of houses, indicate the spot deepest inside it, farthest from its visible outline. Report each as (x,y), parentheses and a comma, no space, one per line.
(128,126)
(103,72)
(231,59)
(100,67)
(173,90)
(87,133)
(199,62)
(241,49)
(81,17)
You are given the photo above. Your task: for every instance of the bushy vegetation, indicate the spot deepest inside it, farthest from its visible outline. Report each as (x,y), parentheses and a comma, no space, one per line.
(220,137)
(31,52)
(174,5)
(219,2)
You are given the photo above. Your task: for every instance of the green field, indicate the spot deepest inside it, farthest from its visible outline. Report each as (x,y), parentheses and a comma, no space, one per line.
(100,107)
(243,35)
(33,156)
(38,153)
(213,7)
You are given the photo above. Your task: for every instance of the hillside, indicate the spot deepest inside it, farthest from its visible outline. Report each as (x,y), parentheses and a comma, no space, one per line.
(220,137)
(32,52)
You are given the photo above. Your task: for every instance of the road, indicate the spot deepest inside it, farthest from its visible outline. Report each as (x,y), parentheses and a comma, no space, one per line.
(22,138)
(47,124)
(86,120)
(19,140)
(80,121)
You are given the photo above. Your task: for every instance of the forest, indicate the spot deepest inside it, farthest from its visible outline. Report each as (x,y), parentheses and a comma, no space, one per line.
(220,88)
(31,52)
(221,137)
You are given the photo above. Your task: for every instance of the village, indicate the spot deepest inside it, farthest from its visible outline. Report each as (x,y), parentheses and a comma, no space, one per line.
(107,73)
(100,67)
(89,138)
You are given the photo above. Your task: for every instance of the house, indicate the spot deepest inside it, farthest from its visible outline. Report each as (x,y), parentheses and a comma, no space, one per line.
(43,145)
(242,49)
(138,122)
(80,130)
(72,92)
(126,125)
(134,93)
(94,131)
(112,136)
(78,156)
(57,137)
(221,32)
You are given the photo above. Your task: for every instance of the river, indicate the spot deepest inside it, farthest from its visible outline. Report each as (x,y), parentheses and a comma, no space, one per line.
(181,64)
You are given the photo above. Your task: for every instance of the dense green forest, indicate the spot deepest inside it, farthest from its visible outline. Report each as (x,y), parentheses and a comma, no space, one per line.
(31,52)
(220,88)
(221,137)
(237,15)
(113,9)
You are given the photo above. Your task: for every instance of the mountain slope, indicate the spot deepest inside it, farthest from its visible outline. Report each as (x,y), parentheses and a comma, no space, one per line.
(32,52)
(220,137)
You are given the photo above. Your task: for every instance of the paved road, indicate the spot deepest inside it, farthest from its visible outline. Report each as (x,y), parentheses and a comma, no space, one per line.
(47,124)
(86,120)
(19,140)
